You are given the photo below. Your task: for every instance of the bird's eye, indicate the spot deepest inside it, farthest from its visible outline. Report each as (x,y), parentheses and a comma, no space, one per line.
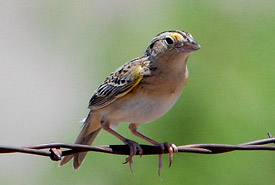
(169,40)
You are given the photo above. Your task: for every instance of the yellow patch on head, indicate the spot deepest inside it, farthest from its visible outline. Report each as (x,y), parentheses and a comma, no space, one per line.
(176,36)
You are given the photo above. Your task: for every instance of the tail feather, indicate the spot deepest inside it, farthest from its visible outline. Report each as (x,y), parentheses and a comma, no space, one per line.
(87,135)
(78,158)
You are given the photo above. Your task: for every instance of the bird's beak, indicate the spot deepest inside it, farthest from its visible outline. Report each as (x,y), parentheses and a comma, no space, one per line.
(191,45)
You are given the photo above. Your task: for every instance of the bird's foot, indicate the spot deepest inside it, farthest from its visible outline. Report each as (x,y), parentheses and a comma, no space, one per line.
(134,147)
(171,149)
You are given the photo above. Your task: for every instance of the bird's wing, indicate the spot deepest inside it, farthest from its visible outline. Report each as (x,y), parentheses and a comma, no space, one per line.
(118,84)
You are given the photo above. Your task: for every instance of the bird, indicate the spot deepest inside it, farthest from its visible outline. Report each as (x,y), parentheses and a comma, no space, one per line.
(140,91)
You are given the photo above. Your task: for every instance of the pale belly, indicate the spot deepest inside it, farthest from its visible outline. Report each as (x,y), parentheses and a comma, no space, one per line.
(140,108)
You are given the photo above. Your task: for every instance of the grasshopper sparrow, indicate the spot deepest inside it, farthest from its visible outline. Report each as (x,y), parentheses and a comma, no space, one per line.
(140,91)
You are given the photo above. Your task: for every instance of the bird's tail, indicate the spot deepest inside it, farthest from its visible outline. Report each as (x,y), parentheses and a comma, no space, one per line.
(87,135)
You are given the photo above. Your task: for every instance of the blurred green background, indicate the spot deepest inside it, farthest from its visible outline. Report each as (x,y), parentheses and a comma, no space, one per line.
(54,54)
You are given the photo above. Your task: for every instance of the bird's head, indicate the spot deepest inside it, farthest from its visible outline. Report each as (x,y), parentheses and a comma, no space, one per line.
(173,42)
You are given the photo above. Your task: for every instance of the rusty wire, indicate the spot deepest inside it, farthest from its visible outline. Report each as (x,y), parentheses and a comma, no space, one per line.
(56,150)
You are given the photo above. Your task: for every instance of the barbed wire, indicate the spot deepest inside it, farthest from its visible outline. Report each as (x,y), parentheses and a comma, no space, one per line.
(56,150)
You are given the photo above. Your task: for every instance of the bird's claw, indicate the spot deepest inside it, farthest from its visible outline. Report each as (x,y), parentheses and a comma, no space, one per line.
(171,149)
(134,147)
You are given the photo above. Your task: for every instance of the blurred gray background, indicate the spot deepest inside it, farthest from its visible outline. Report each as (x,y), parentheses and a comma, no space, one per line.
(54,54)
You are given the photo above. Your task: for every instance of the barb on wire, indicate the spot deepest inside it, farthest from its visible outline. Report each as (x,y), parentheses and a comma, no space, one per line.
(54,152)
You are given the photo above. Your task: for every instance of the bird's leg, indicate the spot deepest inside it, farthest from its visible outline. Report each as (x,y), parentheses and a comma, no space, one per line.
(133,146)
(170,147)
